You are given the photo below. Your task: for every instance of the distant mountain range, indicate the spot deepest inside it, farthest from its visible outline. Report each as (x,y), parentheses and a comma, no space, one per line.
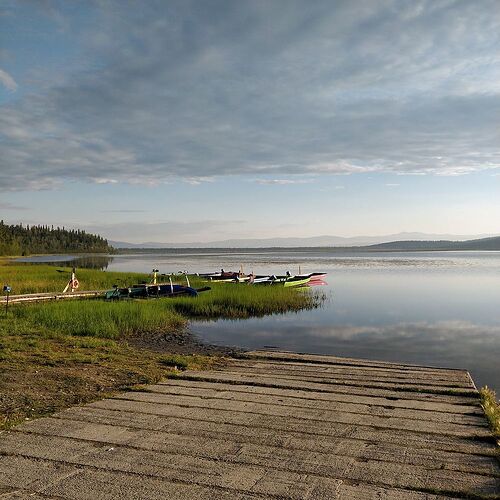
(400,240)
(492,243)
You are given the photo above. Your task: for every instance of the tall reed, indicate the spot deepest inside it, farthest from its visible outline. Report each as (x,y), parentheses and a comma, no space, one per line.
(97,318)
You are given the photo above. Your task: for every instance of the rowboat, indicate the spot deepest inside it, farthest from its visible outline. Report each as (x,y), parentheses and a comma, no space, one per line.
(153,291)
(221,276)
(286,281)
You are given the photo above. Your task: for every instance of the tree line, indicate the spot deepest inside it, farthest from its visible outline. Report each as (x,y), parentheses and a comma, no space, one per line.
(25,240)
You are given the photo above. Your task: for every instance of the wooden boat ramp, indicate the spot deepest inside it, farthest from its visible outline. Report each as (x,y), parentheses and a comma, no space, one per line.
(268,425)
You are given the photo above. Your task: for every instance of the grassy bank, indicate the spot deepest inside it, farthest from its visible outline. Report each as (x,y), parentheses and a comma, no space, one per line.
(491,409)
(57,354)
(33,278)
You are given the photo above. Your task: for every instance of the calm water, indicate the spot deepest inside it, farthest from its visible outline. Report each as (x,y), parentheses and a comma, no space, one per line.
(428,308)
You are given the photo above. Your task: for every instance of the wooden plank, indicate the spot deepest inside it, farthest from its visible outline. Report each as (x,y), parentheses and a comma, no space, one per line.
(276,425)
(42,297)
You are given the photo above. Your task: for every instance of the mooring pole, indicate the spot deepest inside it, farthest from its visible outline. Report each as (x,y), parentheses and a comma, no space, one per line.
(7,289)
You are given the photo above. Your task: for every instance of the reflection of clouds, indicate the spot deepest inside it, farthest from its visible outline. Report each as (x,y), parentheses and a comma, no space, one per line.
(418,332)
(442,330)
(456,344)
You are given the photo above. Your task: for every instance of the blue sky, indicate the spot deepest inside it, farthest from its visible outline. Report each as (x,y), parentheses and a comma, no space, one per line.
(180,121)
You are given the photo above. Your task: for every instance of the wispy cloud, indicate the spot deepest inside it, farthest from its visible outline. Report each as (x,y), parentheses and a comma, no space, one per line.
(164,231)
(7,81)
(125,211)
(284,182)
(195,91)
(196,181)
(11,206)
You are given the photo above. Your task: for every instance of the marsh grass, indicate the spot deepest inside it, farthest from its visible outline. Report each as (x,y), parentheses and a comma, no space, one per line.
(57,354)
(237,301)
(491,408)
(98,318)
(39,278)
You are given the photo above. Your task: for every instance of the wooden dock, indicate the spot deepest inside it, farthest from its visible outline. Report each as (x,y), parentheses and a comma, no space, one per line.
(271,425)
(44,297)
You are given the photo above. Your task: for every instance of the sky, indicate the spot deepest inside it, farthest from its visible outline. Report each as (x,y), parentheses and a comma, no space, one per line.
(194,121)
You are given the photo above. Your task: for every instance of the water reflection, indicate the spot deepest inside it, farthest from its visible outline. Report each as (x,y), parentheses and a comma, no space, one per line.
(436,308)
(452,344)
(100,262)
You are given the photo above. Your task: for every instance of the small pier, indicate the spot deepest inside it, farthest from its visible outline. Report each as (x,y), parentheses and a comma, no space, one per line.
(269,425)
(28,298)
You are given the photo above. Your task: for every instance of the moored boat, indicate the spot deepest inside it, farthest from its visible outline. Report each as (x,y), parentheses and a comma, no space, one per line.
(153,291)
(287,280)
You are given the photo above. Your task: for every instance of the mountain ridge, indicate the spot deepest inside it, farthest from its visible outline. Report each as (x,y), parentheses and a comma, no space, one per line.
(314,241)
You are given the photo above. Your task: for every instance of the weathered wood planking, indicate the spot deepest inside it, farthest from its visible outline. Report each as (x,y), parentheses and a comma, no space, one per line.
(43,297)
(271,425)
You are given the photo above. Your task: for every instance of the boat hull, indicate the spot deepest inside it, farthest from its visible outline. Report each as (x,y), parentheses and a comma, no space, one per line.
(152,291)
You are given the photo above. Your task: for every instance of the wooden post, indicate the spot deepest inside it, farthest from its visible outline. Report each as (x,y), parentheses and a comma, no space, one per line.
(7,289)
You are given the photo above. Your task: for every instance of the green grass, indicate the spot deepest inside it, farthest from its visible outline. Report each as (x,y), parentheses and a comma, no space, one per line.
(224,300)
(57,354)
(98,318)
(228,300)
(174,361)
(491,408)
(33,278)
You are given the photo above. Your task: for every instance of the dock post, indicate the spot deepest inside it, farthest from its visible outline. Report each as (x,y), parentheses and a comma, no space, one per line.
(7,289)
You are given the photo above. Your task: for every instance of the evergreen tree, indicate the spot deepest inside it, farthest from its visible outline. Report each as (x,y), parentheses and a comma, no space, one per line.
(19,240)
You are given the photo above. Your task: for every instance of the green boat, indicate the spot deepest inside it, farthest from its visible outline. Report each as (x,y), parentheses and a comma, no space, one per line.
(296,282)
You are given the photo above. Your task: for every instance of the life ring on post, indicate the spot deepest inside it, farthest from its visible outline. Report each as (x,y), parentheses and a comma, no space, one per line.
(74,284)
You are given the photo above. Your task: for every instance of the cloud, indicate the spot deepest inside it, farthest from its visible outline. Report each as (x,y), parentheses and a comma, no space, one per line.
(283,182)
(7,81)
(163,231)
(10,206)
(125,211)
(196,181)
(170,91)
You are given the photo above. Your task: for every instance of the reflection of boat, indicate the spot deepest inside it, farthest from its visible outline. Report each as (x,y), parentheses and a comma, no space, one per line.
(317,282)
(153,291)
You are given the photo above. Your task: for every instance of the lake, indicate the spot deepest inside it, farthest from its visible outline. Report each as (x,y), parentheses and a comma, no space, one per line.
(431,308)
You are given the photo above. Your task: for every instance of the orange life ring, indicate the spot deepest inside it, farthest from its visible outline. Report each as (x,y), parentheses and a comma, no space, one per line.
(74,283)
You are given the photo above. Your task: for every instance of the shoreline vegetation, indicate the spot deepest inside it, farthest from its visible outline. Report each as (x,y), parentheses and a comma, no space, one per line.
(26,240)
(491,407)
(480,244)
(54,355)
